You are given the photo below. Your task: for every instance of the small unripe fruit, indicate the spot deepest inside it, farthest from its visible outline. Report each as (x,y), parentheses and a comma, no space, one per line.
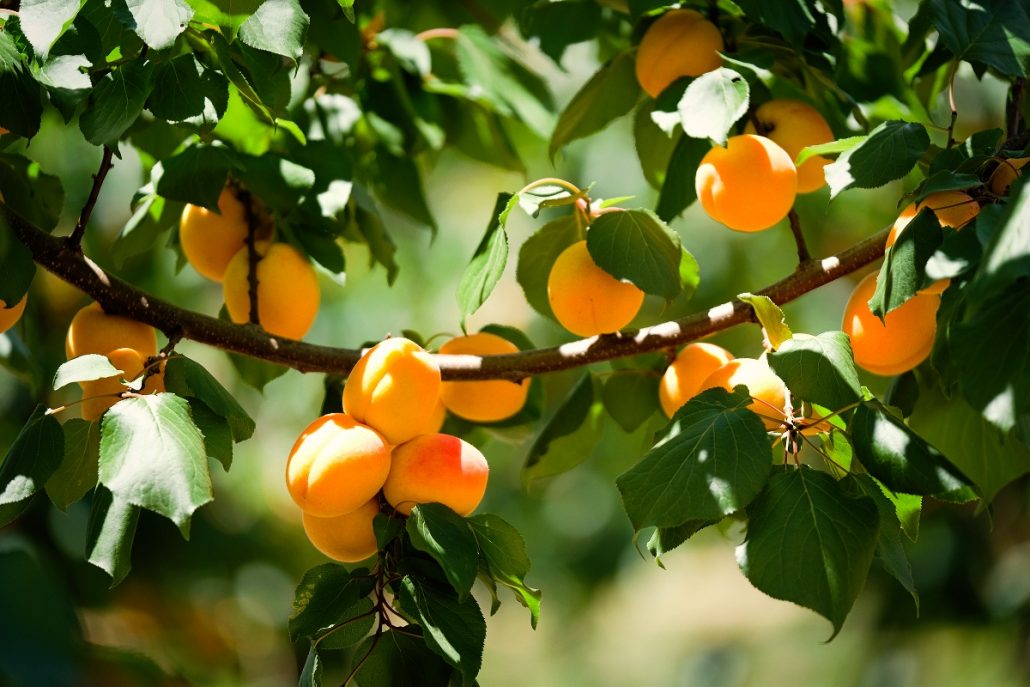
(394,388)
(680,43)
(346,538)
(10,316)
(749,185)
(437,468)
(210,240)
(1007,171)
(768,390)
(683,378)
(287,290)
(794,125)
(336,465)
(954,209)
(585,299)
(487,401)
(100,394)
(899,343)
(94,331)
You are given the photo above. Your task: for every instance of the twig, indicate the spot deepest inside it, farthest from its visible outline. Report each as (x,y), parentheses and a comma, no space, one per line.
(1014,108)
(252,256)
(75,239)
(430,34)
(799,238)
(951,103)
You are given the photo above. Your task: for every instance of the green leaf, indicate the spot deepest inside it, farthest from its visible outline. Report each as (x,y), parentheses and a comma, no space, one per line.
(712,104)
(21,108)
(454,629)
(809,543)
(991,32)
(487,264)
(109,535)
(400,660)
(1007,255)
(152,456)
(17,265)
(399,185)
(411,52)
(557,25)
(30,193)
(793,19)
(43,21)
(77,473)
(256,373)
(889,152)
(311,674)
(197,175)
(159,22)
(216,432)
(609,94)
(565,419)
(665,539)
(678,191)
(819,369)
(66,81)
(277,26)
(184,91)
(151,218)
(324,596)
(357,622)
(537,256)
(654,147)
(712,460)
(187,378)
(279,182)
(447,538)
(841,145)
(631,398)
(769,315)
(636,246)
(36,453)
(503,552)
(386,527)
(115,103)
(85,368)
(903,272)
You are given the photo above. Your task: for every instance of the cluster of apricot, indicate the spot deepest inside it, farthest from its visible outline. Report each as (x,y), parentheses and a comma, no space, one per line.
(215,243)
(9,316)
(385,448)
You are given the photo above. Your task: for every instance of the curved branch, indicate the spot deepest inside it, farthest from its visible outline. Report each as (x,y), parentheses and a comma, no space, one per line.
(119,297)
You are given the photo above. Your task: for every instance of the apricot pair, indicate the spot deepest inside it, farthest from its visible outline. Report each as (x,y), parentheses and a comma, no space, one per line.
(10,316)
(954,209)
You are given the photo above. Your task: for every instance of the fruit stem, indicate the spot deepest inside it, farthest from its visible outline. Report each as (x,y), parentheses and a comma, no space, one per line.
(951,103)
(551,181)
(75,239)
(430,34)
(799,238)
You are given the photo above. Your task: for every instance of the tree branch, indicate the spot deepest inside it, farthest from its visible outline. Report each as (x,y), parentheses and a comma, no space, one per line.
(799,237)
(119,297)
(1014,108)
(252,257)
(75,239)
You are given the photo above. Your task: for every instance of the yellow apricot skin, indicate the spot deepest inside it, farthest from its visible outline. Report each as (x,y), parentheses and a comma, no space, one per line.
(748,185)
(394,388)
(437,468)
(768,390)
(794,125)
(585,299)
(899,343)
(346,538)
(209,239)
(682,380)
(10,316)
(488,401)
(94,331)
(288,294)
(680,43)
(1005,173)
(336,465)
(100,394)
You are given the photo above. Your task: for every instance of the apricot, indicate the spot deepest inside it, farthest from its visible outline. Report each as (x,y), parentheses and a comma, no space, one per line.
(793,125)
(287,292)
(1005,173)
(436,420)
(768,391)
(436,468)
(585,299)
(394,388)
(210,239)
(680,43)
(683,378)
(94,331)
(100,394)
(900,342)
(336,465)
(483,401)
(10,316)
(954,209)
(347,538)
(749,185)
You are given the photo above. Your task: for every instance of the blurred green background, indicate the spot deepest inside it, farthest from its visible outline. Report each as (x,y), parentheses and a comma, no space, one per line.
(213,610)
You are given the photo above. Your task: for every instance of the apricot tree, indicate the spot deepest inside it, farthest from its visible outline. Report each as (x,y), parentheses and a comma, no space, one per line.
(273,134)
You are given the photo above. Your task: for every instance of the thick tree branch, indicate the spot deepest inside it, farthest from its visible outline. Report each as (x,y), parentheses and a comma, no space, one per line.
(120,297)
(75,240)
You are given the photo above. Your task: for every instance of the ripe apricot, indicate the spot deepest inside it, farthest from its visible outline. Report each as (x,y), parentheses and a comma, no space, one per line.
(585,299)
(10,316)
(954,209)
(100,394)
(209,239)
(793,125)
(483,401)
(287,292)
(436,468)
(1005,173)
(347,538)
(768,390)
(336,465)
(749,185)
(94,331)
(680,43)
(394,388)
(436,420)
(903,340)
(683,378)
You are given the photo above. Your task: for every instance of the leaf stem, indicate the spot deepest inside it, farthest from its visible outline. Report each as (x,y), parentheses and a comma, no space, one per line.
(551,181)
(430,34)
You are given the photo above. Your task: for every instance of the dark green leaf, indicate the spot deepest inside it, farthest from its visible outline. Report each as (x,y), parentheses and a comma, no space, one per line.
(958,254)
(30,193)
(411,52)
(903,272)
(43,21)
(654,147)
(66,82)
(454,629)
(216,432)
(152,217)
(256,373)
(446,536)
(357,621)
(323,597)
(311,674)
(818,369)
(565,420)
(277,26)
(609,94)
(112,527)
(186,92)
(678,191)
(793,19)
(889,152)
(487,264)
(115,103)
(196,175)
(77,473)
(665,539)
(637,246)
(386,527)
(991,32)
(85,368)
(17,265)
(159,22)
(187,378)
(712,104)
(1007,255)
(631,398)
(557,25)
(504,554)
(21,108)
(537,256)
(36,453)
(400,660)
(400,186)
(279,182)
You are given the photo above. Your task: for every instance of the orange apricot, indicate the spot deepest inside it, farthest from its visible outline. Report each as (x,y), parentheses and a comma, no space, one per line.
(436,468)
(347,538)
(210,239)
(100,394)
(435,422)
(10,316)
(287,291)
(94,331)
(336,465)
(768,391)
(794,125)
(585,299)
(680,43)
(1005,173)
(748,185)
(394,388)
(900,342)
(954,209)
(487,401)
(683,378)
